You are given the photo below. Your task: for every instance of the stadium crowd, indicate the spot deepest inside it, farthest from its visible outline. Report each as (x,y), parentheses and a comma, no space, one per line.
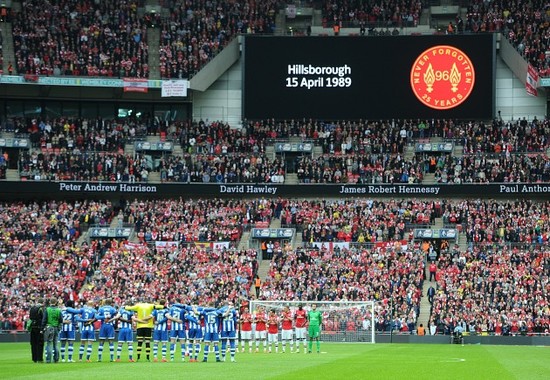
(194,220)
(196,31)
(87,166)
(243,168)
(486,168)
(523,23)
(498,290)
(39,254)
(350,274)
(353,13)
(358,168)
(354,152)
(220,138)
(84,134)
(360,220)
(129,271)
(520,221)
(109,38)
(87,38)
(516,136)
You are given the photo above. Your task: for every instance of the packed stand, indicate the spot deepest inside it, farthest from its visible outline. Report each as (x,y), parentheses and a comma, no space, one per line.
(363,136)
(491,222)
(39,254)
(519,136)
(232,168)
(354,13)
(218,138)
(354,274)
(523,23)
(360,221)
(195,220)
(196,31)
(86,38)
(186,274)
(358,168)
(65,134)
(497,291)
(83,166)
(241,168)
(483,168)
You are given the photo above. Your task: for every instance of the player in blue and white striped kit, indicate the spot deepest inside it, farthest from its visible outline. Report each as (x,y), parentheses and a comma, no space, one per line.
(68,330)
(125,333)
(229,331)
(194,332)
(211,331)
(87,332)
(107,315)
(176,314)
(160,331)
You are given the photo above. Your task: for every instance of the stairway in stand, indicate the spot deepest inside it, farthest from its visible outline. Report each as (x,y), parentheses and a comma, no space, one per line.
(12,175)
(425,306)
(291,179)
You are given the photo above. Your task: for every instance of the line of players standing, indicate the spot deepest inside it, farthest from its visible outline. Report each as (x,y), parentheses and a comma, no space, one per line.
(179,323)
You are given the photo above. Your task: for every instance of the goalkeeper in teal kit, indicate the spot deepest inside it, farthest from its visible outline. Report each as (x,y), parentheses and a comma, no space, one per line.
(315,319)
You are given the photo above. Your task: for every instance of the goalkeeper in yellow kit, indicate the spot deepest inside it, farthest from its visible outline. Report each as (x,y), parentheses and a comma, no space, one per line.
(144,325)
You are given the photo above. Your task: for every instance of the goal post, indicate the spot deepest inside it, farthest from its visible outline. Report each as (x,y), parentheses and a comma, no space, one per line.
(343,321)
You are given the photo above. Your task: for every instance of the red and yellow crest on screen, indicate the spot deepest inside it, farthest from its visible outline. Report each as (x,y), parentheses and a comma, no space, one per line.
(442,77)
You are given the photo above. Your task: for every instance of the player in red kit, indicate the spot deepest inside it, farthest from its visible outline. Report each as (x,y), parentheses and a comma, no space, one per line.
(287,333)
(300,318)
(273,331)
(246,329)
(260,318)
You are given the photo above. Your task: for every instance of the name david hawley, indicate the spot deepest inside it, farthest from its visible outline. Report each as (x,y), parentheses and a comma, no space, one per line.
(248,189)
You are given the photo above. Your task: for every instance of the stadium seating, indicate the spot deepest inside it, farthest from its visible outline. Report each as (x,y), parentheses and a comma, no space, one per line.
(39,254)
(85,134)
(191,274)
(361,221)
(354,274)
(497,290)
(505,237)
(195,32)
(191,221)
(359,168)
(492,222)
(486,168)
(521,23)
(351,13)
(87,38)
(77,166)
(494,282)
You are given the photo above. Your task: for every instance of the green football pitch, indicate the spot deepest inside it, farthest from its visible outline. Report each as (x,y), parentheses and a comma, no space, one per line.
(336,361)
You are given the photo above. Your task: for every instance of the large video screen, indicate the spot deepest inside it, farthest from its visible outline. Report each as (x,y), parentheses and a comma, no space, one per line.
(369,77)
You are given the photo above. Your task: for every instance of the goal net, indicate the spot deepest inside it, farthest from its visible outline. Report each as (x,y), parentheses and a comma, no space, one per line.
(343,321)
